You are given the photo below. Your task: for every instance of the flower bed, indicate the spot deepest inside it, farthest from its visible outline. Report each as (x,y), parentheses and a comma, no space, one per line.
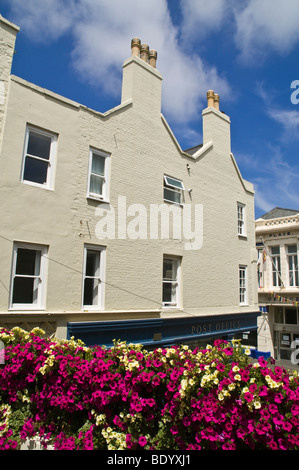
(73,397)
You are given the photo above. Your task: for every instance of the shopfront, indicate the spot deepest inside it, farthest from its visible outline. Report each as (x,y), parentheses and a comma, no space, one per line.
(283,319)
(151,333)
(286,331)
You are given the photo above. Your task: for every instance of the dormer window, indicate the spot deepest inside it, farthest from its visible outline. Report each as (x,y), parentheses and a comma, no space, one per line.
(173,190)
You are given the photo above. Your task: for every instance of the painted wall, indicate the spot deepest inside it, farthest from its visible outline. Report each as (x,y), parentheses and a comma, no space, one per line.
(142,149)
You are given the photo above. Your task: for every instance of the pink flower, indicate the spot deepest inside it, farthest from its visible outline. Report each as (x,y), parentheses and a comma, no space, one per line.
(142,441)
(228,351)
(248,396)
(263,392)
(262,362)
(253,388)
(287,426)
(278,398)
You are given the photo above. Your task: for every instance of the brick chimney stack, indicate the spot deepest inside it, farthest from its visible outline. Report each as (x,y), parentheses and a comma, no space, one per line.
(144,52)
(142,82)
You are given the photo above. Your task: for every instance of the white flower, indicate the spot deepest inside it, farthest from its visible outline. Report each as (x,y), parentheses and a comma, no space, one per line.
(256,403)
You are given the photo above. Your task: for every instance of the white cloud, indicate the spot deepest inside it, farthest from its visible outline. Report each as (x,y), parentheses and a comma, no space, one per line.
(44,21)
(289,121)
(278,180)
(257,27)
(287,118)
(101,32)
(200,17)
(264,25)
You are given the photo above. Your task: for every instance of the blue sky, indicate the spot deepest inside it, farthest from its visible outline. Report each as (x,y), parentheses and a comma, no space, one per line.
(245,50)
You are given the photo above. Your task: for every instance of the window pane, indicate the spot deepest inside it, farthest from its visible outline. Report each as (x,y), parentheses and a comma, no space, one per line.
(167,292)
(98,164)
(292,249)
(35,170)
(170,285)
(169,269)
(170,195)
(92,263)
(291,316)
(39,145)
(285,354)
(242,285)
(275,250)
(96,185)
(23,290)
(28,262)
(173,182)
(278,315)
(90,291)
(92,281)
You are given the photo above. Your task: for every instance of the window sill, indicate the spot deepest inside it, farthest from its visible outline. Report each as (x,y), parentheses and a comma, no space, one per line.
(92,309)
(242,237)
(37,185)
(171,307)
(179,204)
(97,199)
(26,309)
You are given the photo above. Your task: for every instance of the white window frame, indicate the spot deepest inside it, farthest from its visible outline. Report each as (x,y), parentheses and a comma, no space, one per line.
(243,287)
(105,189)
(98,277)
(175,185)
(241,213)
(49,184)
(174,280)
(275,267)
(293,271)
(40,278)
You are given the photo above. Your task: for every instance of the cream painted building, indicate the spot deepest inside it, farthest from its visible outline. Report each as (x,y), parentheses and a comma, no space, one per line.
(277,235)
(109,230)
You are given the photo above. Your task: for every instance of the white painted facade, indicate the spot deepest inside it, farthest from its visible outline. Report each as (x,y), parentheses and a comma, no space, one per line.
(70,174)
(277,234)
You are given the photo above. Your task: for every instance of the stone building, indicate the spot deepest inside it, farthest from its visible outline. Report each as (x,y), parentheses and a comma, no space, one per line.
(277,234)
(109,229)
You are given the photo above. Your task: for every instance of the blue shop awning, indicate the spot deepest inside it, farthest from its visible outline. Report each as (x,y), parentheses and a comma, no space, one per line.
(162,331)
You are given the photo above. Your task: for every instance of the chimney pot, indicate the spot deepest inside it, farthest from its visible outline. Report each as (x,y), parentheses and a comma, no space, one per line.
(135,47)
(144,52)
(216,101)
(210,96)
(152,59)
